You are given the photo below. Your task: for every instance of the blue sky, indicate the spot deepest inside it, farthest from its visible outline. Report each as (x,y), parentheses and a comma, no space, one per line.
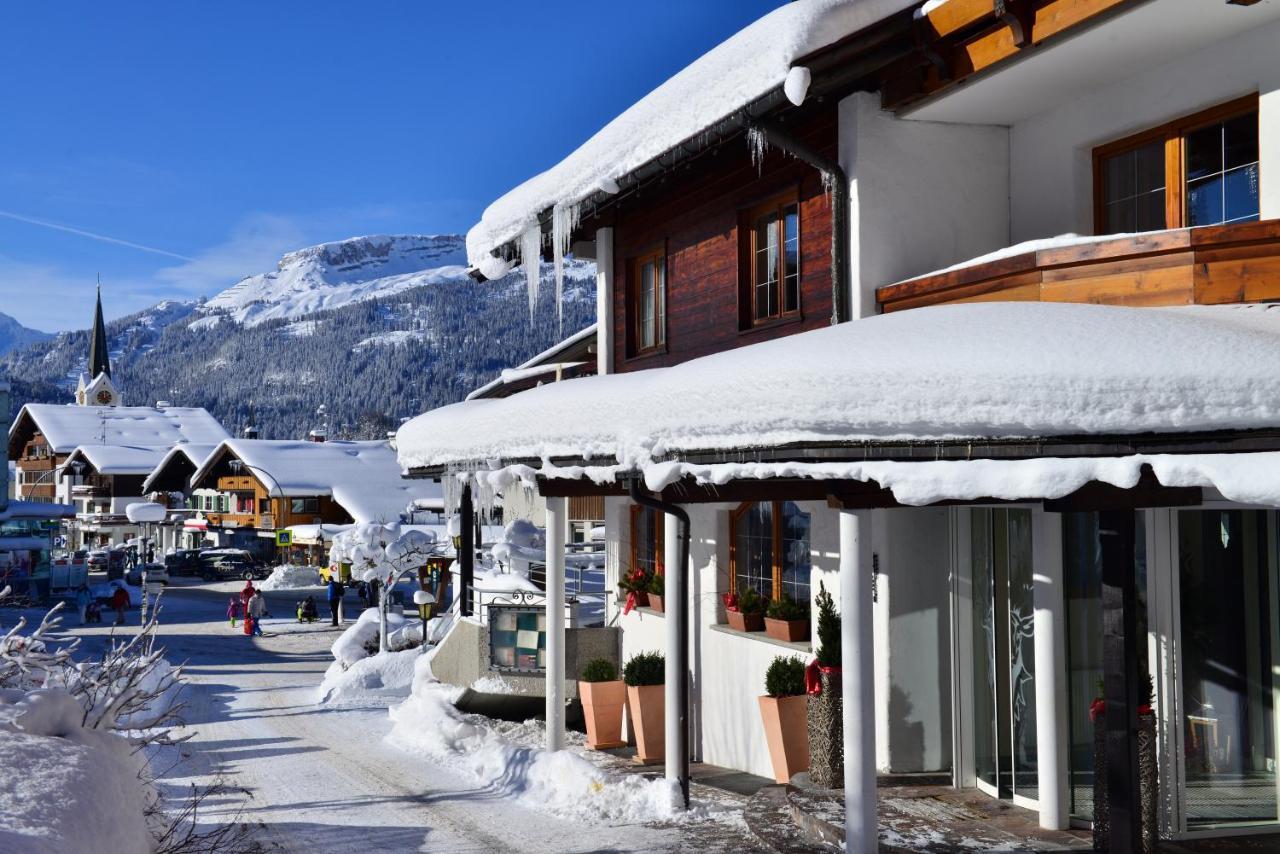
(210,138)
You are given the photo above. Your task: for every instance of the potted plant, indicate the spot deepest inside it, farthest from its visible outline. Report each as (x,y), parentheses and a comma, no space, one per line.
(787,620)
(745,610)
(784,710)
(656,587)
(636,585)
(826,709)
(603,695)
(1147,779)
(645,674)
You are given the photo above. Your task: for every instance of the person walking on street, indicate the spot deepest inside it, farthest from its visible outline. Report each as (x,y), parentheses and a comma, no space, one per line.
(245,595)
(120,601)
(234,610)
(257,610)
(336,589)
(82,602)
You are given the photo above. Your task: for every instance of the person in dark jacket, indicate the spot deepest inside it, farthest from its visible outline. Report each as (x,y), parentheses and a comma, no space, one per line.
(336,589)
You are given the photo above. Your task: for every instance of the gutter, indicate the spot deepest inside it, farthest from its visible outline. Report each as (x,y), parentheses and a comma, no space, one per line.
(834,179)
(681,606)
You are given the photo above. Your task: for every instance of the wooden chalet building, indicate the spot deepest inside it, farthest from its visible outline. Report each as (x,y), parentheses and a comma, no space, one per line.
(1014,501)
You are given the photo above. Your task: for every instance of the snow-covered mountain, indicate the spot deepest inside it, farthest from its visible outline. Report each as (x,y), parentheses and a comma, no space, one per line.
(332,275)
(14,336)
(376,328)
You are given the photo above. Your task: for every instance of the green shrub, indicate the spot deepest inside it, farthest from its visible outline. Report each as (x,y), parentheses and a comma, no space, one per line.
(645,668)
(828,629)
(656,585)
(749,601)
(787,608)
(599,670)
(785,677)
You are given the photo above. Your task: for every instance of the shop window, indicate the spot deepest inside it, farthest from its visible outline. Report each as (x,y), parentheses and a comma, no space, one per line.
(1202,169)
(769,550)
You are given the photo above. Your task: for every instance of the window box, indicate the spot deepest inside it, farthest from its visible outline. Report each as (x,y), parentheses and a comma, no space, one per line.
(791,631)
(741,622)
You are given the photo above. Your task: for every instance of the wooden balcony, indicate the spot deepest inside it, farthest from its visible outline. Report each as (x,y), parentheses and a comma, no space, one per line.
(1185,266)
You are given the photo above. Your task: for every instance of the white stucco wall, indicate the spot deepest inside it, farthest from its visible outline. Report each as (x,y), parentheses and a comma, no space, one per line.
(922,194)
(1051,154)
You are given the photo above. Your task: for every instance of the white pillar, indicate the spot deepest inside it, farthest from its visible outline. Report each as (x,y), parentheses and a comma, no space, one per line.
(604,301)
(1050,669)
(556,514)
(675,601)
(861,831)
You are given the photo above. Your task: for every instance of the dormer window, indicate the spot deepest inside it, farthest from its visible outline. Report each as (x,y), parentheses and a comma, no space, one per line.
(1198,170)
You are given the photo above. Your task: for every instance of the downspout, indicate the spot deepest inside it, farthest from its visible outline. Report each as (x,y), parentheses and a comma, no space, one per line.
(681,652)
(835,180)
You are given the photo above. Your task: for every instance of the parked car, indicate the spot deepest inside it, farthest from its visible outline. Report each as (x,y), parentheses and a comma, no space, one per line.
(157,573)
(232,567)
(183,562)
(97,560)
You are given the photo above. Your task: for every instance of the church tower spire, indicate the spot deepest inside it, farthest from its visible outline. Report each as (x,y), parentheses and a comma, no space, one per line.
(99,362)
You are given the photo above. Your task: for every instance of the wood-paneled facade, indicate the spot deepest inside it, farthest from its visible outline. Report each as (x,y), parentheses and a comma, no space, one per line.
(34,465)
(1186,266)
(266,511)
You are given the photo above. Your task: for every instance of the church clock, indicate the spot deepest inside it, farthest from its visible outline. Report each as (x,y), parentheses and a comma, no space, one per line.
(104,396)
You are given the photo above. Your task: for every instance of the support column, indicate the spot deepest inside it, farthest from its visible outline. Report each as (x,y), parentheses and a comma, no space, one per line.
(1050,669)
(556,514)
(466,552)
(1120,678)
(604,301)
(857,655)
(676,602)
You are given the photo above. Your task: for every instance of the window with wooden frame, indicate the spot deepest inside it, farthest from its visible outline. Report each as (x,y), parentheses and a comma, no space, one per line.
(646,540)
(647,302)
(1202,169)
(771,252)
(769,550)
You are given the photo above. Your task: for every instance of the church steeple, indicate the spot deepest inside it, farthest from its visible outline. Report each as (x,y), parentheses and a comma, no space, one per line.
(99,362)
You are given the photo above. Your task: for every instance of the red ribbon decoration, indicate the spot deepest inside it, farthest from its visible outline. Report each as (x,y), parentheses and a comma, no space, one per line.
(1099,707)
(631,603)
(813,677)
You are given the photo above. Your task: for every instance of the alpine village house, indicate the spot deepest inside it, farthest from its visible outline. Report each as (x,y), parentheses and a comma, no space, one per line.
(886,304)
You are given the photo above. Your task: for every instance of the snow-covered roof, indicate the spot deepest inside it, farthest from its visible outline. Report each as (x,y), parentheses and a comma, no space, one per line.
(119,459)
(989,370)
(750,64)
(68,427)
(363,477)
(538,364)
(193,452)
(16,509)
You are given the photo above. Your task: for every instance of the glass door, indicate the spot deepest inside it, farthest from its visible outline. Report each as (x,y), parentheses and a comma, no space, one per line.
(1004,739)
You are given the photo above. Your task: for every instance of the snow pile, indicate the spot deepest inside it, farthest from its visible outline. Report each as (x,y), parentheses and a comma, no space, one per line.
(510,764)
(748,65)
(990,370)
(521,542)
(290,577)
(383,676)
(360,640)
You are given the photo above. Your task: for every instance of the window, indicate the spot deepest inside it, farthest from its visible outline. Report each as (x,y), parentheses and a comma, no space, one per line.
(647,303)
(264,506)
(770,550)
(773,260)
(646,539)
(304,505)
(1198,170)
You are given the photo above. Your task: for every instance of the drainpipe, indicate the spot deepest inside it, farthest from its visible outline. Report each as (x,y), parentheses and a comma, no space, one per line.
(677,581)
(835,179)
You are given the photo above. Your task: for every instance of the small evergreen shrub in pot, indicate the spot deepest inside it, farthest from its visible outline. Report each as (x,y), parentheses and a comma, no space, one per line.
(657,587)
(635,584)
(787,620)
(826,709)
(645,674)
(784,710)
(603,695)
(744,610)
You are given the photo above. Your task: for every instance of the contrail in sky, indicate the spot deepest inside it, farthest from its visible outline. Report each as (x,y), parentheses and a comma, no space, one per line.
(91,235)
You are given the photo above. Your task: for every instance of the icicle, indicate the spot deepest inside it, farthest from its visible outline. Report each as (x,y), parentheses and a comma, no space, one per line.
(564,218)
(531,258)
(758,144)
(828,185)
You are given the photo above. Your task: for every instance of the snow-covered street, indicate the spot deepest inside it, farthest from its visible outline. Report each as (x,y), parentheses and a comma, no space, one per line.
(320,778)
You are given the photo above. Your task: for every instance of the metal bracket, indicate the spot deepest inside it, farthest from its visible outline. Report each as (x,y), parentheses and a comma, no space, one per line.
(1016,14)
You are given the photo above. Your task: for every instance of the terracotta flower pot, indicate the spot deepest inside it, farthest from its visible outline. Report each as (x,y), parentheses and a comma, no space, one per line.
(792,631)
(655,602)
(786,725)
(741,622)
(602,706)
(648,720)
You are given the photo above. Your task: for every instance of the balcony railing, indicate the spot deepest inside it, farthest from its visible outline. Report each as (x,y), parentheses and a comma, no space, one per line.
(1184,266)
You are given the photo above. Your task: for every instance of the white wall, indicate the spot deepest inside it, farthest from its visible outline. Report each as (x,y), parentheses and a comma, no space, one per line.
(1051,165)
(923,195)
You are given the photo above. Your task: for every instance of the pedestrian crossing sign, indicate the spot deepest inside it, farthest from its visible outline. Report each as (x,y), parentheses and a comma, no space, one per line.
(284,538)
